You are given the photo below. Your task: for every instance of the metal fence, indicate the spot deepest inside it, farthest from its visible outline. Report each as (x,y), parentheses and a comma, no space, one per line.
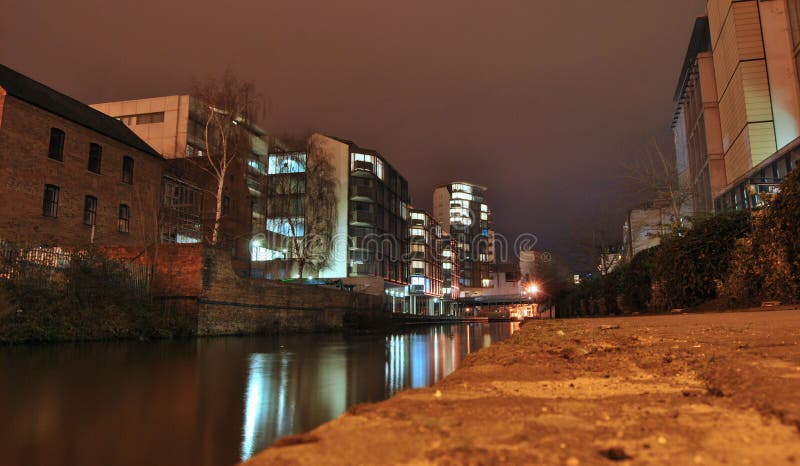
(51,265)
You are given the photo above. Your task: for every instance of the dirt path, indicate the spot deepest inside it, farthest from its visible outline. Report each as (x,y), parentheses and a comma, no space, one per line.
(666,390)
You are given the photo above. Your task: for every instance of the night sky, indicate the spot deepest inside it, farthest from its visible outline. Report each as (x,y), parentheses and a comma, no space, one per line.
(543,102)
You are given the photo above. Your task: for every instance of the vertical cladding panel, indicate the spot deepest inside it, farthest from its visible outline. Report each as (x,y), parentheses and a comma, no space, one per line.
(756,90)
(726,57)
(739,40)
(738,159)
(717,12)
(748,30)
(733,111)
(762,141)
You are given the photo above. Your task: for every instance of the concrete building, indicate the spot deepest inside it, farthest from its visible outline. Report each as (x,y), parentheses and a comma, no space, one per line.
(696,123)
(70,175)
(173,126)
(642,230)
(370,237)
(461,209)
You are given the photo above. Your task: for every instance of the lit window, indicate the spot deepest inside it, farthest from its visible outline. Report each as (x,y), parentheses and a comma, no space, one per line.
(484,208)
(447,266)
(417,232)
(287,163)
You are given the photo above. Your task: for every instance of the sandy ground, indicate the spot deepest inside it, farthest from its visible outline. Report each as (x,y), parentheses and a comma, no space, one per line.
(666,390)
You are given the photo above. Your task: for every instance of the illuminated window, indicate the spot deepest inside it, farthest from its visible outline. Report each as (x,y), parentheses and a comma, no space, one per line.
(417,216)
(418,265)
(447,253)
(417,232)
(447,266)
(484,208)
(417,248)
(294,227)
(287,163)
(486,283)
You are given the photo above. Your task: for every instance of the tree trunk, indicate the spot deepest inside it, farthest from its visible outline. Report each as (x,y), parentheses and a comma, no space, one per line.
(218,213)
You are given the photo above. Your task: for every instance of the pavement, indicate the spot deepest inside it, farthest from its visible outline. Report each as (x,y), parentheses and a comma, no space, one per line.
(707,389)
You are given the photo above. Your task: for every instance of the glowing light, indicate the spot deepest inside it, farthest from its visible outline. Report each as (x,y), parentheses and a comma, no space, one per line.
(533,289)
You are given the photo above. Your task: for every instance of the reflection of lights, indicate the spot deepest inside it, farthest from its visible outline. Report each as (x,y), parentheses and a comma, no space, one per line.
(254,413)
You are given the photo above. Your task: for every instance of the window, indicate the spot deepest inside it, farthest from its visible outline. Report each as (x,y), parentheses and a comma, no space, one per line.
(95,156)
(50,205)
(293,162)
(89,210)
(124,219)
(147,118)
(56,150)
(127,170)
(226,205)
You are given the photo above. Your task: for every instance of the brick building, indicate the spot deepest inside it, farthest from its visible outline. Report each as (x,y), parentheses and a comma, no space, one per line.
(71,175)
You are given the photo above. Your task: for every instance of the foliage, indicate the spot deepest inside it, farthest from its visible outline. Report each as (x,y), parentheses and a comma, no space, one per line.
(766,266)
(92,298)
(688,267)
(638,280)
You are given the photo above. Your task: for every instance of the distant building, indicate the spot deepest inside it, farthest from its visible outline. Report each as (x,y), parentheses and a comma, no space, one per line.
(173,126)
(425,264)
(372,219)
(643,229)
(461,209)
(70,175)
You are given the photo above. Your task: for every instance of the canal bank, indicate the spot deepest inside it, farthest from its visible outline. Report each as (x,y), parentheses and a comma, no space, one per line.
(684,389)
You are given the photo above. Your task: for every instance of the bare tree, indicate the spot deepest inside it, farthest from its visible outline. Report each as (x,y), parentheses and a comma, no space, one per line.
(226,106)
(654,177)
(301,204)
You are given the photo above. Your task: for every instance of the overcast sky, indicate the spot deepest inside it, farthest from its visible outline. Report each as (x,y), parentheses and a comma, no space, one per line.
(541,101)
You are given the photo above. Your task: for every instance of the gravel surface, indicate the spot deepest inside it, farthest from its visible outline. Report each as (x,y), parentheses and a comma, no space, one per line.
(666,390)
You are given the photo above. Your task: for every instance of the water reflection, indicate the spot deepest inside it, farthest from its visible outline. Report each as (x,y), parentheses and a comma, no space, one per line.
(209,401)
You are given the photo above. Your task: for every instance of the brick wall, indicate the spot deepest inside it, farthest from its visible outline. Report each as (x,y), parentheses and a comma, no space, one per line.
(191,275)
(25,169)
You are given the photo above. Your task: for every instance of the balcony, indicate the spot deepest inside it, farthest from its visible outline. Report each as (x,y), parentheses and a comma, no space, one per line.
(363,168)
(362,193)
(361,218)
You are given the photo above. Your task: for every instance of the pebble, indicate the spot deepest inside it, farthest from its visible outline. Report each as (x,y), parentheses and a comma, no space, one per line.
(662,440)
(438,394)
(572,461)
(560,333)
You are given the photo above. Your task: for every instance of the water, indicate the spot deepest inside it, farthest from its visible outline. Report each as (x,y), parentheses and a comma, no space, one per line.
(213,401)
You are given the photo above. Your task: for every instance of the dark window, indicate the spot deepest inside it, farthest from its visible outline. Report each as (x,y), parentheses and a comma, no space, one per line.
(124,218)
(89,210)
(56,150)
(147,118)
(226,205)
(127,170)
(50,206)
(95,156)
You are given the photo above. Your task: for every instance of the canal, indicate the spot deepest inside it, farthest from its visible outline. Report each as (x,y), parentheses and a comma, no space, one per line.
(213,401)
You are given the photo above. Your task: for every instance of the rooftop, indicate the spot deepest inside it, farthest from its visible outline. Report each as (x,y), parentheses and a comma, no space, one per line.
(48,99)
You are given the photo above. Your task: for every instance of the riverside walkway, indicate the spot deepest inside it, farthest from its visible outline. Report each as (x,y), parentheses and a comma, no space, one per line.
(680,389)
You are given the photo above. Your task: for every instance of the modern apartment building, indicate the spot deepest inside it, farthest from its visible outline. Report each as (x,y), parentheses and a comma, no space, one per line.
(173,126)
(696,123)
(370,235)
(425,261)
(755,46)
(451,287)
(461,209)
(70,175)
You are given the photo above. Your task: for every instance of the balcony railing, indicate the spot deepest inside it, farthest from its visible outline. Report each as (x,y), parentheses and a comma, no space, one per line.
(361,217)
(362,193)
(360,166)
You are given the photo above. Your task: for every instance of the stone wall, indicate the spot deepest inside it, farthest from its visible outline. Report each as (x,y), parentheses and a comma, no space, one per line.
(201,280)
